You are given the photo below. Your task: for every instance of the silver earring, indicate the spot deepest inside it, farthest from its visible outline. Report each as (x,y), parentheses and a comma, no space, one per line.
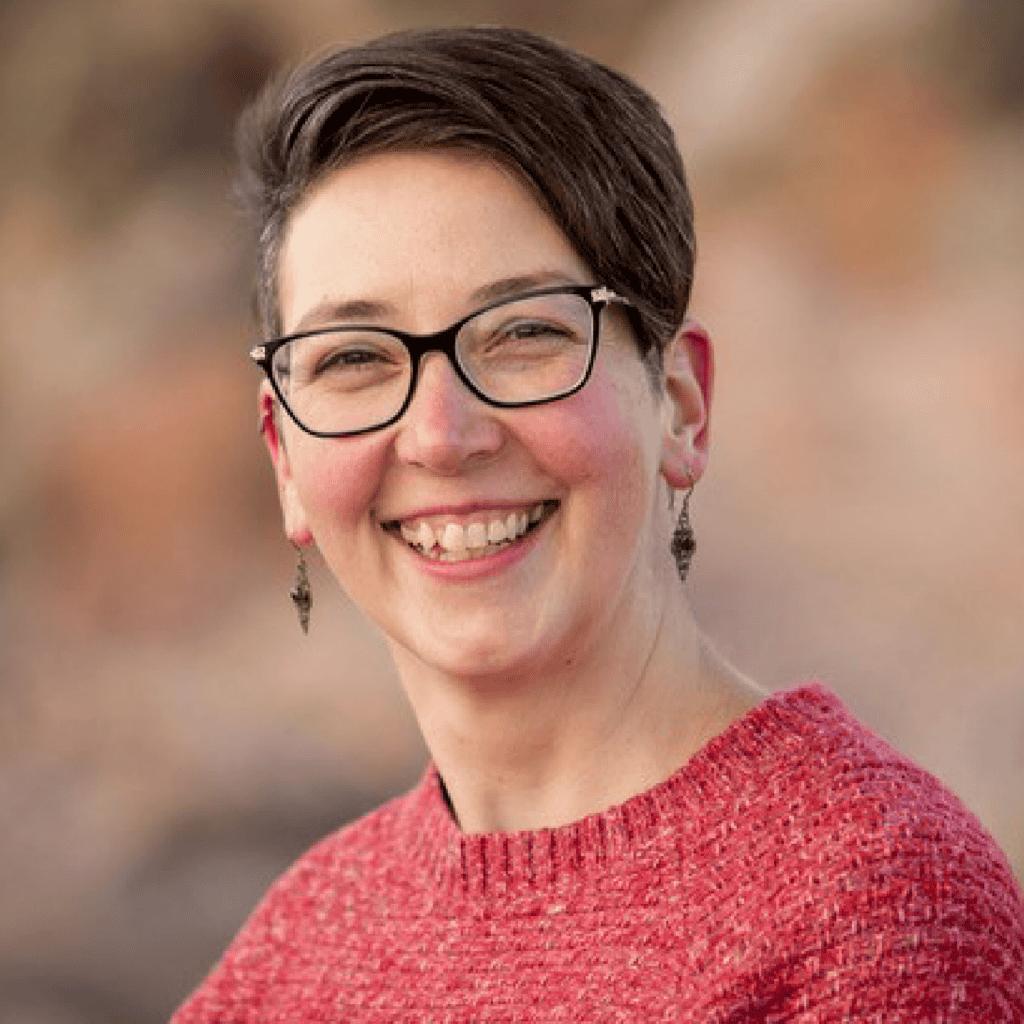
(683,541)
(301,594)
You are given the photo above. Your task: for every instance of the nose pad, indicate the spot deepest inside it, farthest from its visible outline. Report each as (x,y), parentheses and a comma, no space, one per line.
(446,425)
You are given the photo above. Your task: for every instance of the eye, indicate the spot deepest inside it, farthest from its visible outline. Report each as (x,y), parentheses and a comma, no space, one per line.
(347,358)
(524,330)
(523,334)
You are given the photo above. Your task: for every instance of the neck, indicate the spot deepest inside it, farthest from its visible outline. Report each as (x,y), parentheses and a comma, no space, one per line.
(520,754)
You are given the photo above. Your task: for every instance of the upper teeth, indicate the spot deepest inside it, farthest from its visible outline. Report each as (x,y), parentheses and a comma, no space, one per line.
(477,534)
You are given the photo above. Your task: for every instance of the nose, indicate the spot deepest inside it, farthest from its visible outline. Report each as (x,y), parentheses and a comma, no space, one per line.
(446,426)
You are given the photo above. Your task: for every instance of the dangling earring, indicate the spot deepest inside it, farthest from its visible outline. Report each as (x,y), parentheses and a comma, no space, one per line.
(683,541)
(301,594)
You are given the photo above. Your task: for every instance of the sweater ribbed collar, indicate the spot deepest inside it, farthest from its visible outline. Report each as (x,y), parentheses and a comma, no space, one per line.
(712,784)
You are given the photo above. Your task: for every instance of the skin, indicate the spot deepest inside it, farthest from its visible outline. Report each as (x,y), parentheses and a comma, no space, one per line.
(530,677)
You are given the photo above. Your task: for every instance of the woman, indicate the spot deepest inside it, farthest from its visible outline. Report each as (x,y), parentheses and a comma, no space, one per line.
(484,393)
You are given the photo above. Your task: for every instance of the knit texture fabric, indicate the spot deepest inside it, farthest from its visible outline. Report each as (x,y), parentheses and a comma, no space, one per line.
(796,869)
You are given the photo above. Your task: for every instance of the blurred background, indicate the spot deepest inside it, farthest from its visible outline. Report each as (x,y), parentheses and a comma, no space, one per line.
(169,741)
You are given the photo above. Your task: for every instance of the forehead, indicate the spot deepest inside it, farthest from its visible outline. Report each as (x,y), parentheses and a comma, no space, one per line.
(415,230)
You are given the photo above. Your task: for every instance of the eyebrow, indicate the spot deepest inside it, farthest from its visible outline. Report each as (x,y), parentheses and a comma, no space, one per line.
(507,287)
(329,310)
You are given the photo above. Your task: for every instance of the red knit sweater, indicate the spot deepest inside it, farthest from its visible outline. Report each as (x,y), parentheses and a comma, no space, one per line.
(796,869)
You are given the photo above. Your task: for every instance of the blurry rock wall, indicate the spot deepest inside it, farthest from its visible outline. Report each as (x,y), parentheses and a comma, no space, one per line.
(168,739)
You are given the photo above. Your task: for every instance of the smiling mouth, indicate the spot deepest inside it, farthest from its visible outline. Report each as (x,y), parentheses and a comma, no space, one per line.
(484,535)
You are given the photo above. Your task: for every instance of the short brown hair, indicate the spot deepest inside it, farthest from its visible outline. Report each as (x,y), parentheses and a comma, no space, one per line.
(591,145)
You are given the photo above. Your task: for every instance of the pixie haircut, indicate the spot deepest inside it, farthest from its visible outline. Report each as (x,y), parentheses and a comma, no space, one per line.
(591,146)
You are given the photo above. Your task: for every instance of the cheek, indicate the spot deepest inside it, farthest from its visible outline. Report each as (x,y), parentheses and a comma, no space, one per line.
(337,480)
(601,436)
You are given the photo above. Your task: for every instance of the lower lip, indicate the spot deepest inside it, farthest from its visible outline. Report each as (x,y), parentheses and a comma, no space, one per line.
(472,569)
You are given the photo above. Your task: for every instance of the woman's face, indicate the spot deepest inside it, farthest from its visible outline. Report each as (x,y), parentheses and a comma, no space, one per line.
(415,241)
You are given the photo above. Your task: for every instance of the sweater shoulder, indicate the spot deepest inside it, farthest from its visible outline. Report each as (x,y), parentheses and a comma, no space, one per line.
(846,788)
(882,877)
(370,847)
(853,775)
(303,900)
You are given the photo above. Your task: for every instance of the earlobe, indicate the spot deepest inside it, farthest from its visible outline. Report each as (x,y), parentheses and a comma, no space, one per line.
(689,372)
(295,526)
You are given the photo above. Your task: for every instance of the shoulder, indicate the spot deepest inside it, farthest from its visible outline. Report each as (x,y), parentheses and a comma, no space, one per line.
(893,883)
(322,892)
(850,789)
(855,800)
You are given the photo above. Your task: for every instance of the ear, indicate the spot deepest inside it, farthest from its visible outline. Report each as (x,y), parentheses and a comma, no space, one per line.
(689,378)
(295,526)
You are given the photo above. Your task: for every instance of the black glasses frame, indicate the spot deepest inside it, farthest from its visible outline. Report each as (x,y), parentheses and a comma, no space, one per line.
(418,345)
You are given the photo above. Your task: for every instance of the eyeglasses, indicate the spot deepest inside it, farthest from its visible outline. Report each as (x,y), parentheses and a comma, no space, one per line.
(347,380)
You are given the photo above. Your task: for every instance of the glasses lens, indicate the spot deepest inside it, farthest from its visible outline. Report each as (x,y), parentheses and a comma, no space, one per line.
(343,380)
(529,349)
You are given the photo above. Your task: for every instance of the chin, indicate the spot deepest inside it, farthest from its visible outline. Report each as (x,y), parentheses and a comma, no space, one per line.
(479,663)
(478,659)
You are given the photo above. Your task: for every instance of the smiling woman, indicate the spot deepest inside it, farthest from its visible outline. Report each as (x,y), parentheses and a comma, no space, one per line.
(482,393)
(461,444)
